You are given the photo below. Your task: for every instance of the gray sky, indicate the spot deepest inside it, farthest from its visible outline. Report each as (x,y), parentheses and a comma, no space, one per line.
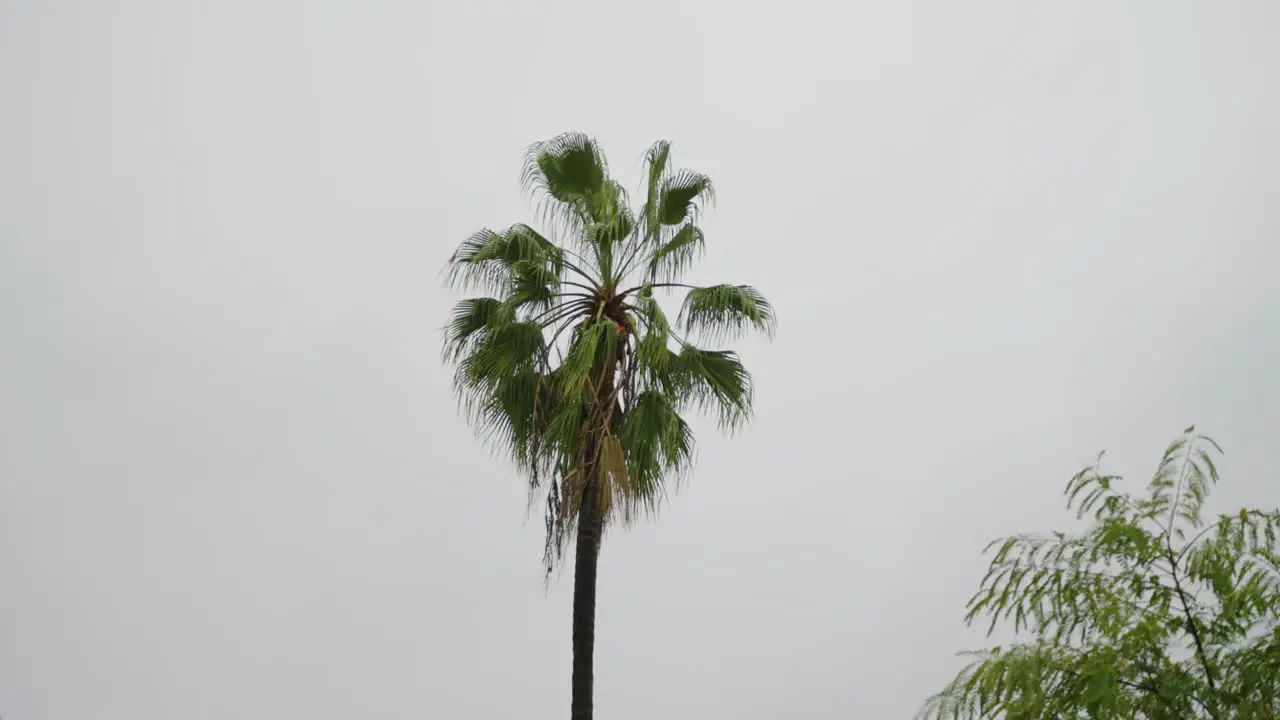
(1001,236)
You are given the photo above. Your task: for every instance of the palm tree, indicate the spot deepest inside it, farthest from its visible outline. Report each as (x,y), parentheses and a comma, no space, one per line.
(571,365)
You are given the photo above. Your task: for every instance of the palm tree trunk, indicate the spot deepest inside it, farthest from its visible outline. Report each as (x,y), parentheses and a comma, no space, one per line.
(587,552)
(584,605)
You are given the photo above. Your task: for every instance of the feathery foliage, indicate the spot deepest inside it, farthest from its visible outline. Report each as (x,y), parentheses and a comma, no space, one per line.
(1154,612)
(569,362)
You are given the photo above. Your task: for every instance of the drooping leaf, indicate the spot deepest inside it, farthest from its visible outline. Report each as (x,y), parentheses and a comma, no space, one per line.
(724,312)
(471,317)
(660,443)
(485,260)
(713,381)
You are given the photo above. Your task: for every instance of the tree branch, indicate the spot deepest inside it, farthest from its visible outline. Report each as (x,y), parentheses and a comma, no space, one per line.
(1201,655)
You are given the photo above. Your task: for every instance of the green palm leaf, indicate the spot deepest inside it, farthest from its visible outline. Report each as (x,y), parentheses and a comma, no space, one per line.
(568,167)
(723,312)
(656,171)
(683,197)
(714,382)
(674,257)
(499,352)
(470,317)
(485,260)
(660,445)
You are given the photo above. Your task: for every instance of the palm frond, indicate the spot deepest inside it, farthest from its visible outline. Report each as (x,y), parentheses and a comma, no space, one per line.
(569,177)
(474,265)
(471,317)
(724,312)
(714,382)
(674,257)
(564,427)
(683,196)
(652,349)
(656,176)
(508,414)
(569,167)
(500,352)
(485,260)
(611,228)
(593,344)
(534,286)
(660,445)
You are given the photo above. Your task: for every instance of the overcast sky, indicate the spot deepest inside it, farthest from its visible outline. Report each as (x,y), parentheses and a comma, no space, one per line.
(1001,236)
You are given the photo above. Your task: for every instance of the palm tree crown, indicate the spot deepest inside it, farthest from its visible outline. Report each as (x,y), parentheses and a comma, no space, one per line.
(570,362)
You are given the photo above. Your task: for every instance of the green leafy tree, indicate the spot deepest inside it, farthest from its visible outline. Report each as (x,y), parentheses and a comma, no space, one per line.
(571,364)
(1154,612)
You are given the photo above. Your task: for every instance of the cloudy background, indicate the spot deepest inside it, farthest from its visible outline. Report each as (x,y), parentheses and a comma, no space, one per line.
(1001,236)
